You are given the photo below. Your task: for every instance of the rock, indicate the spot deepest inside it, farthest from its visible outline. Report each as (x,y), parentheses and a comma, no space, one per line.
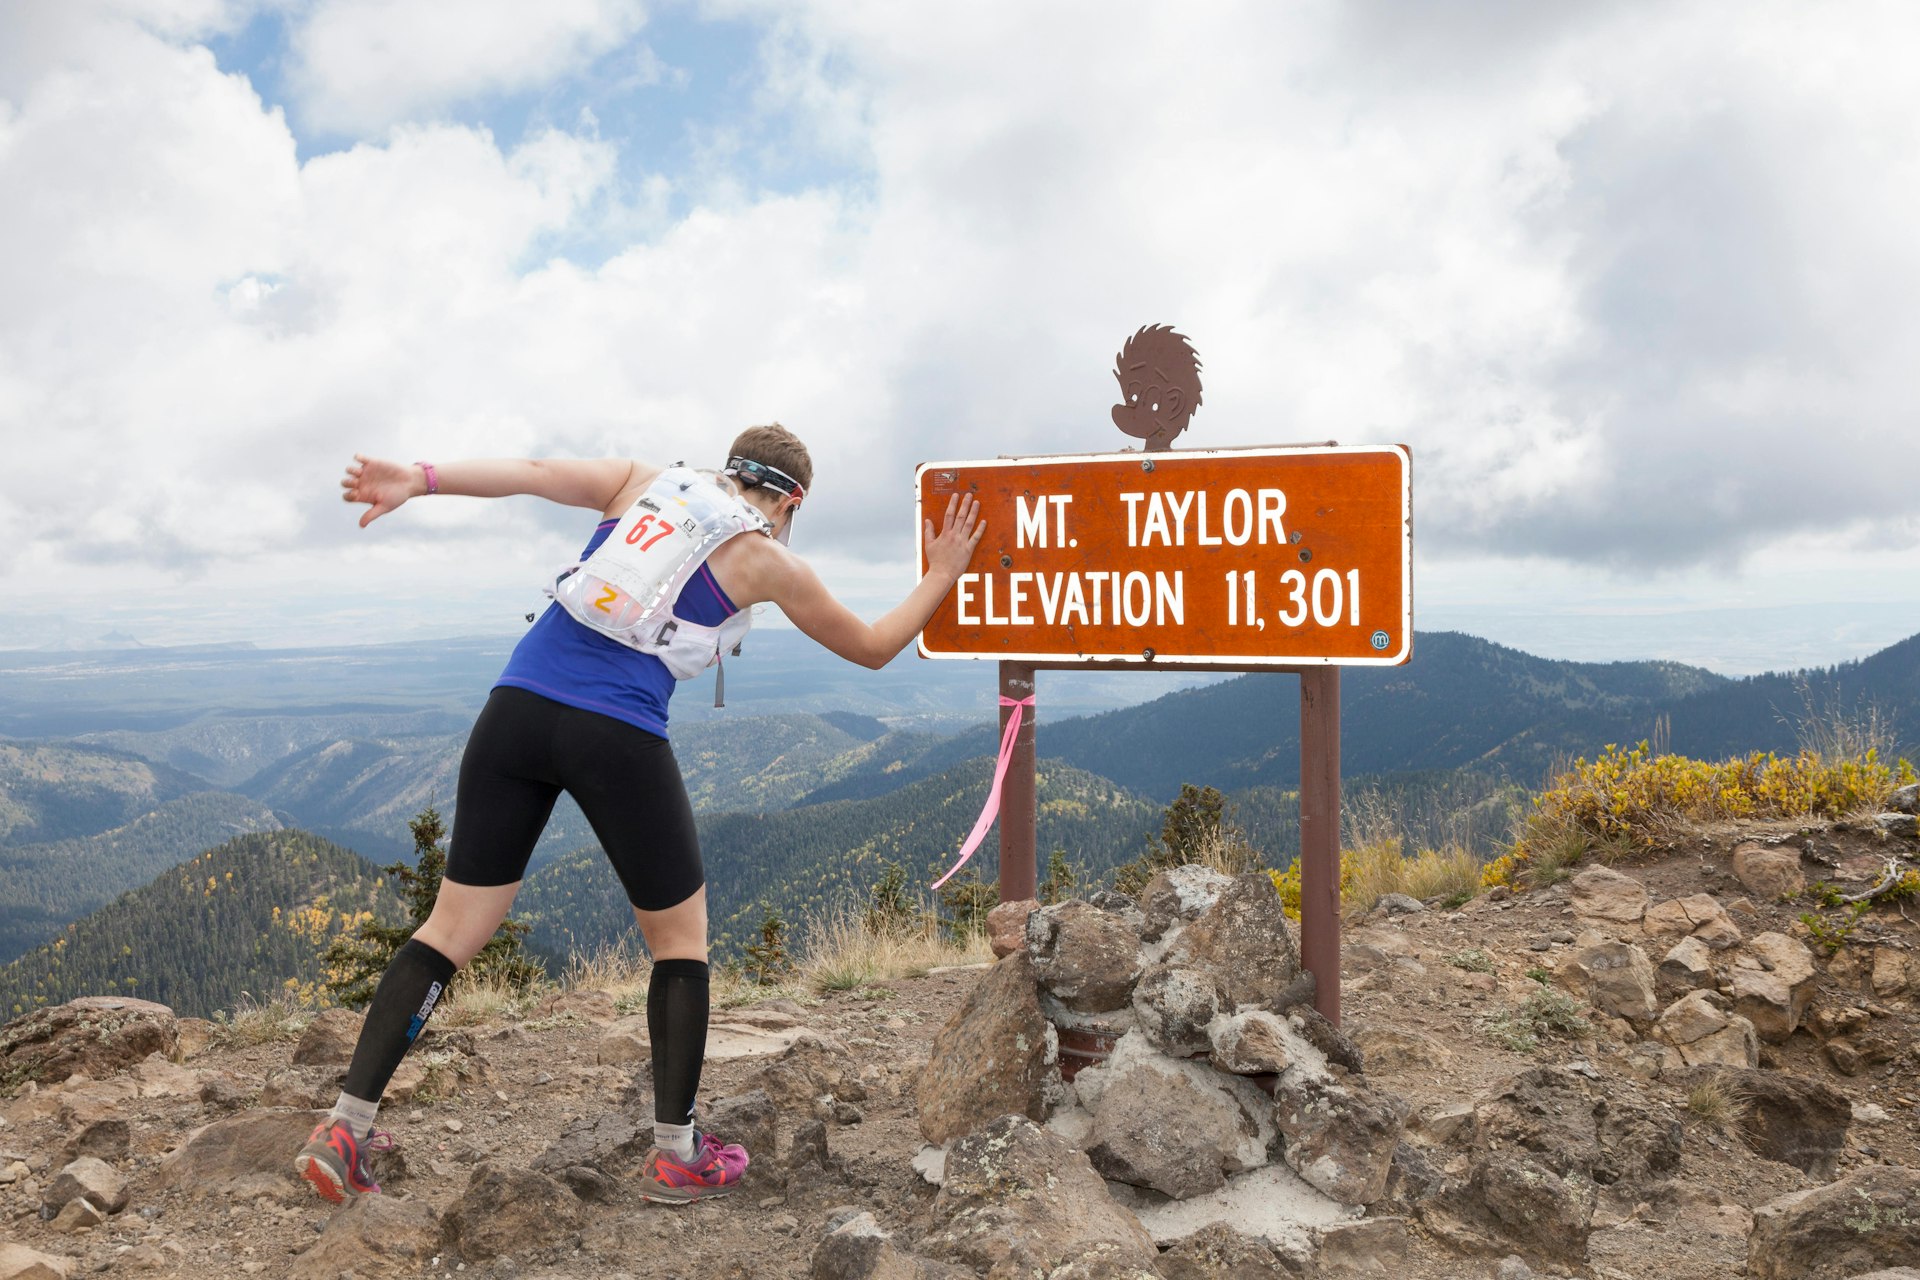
(1254,1043)
(1615,977)
(1173,1006)
(1364,1248)
(505,1210)
(996,1055)
(749,1119)
(1179,895)
(582,1006)
(303,1088)
(1333,1043)
(1905,799)
(808,1149)
(1601,893)
(1773,982)
(1898,824)
(1390,1049)
(1512,1267)
(1245,942)
(1795,1121)
(1399,904)
(17,1262)
(78,1214)
(624,1044)
(1533,1206)
(193,1037)
(1443,1124)
(370,1236)
(91,1177)
(1889,972)
(1699,915)
(1173,1126)
(329,1039)
(1085,957)
(814,1067)
(859,1249)
(1019,1199)
(95,1036)
(1865,1220)
(107,1138)
(610,1141)
(589,1183)
(1218,1252)
(1340,1136)
(1699,1026)
(1688,966)
(244,1155)
(1007,926)
(1769,874)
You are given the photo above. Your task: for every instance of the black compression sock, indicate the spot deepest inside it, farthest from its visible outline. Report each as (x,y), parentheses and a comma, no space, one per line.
(677,1026)
(403,1001)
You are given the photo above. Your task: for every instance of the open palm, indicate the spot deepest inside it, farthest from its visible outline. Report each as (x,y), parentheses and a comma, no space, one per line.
(382,485)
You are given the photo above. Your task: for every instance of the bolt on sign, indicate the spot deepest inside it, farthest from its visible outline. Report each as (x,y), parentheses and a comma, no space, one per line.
(1278,556)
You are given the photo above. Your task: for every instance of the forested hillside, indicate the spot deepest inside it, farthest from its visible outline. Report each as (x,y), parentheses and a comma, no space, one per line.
(52,790)
(803,862)
(248,916)
(43,886)
(228,747)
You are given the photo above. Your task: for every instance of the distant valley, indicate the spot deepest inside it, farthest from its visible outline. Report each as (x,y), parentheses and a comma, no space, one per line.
(815,777)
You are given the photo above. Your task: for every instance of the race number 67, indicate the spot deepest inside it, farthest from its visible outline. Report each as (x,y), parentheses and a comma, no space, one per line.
(641,527)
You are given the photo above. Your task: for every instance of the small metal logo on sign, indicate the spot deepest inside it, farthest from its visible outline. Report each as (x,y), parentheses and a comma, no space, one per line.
(1381,640)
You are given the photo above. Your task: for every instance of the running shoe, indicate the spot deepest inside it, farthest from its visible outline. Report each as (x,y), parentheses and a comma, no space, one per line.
(715,1169)
(335,1162)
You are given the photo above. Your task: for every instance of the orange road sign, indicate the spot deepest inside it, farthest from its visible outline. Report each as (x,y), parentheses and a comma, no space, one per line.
(1282,556)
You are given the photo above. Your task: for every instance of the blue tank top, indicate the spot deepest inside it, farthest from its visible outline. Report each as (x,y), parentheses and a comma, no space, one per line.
(563,659)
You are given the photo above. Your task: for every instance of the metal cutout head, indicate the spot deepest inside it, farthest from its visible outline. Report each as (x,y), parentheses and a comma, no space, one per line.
(1159,376)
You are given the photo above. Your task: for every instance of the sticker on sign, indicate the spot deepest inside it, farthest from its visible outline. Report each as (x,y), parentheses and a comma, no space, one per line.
(1281,556)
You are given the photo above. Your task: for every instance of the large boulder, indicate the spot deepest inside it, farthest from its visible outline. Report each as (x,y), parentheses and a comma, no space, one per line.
(371,1236)
(329,1039)
(1603,894)
(1179,895)
(1255,1043)
(1340,1135)
(1701,1027)
(504,1210)
(1865,1220)
(997,1054)
(1176,1127)
(17,1262)
(1786,1118)
(1174,1006)
(1773,982)
(1019,1199)
(95,1035)
(1007,926)
(1698,915)
(1085,957)
(1244,942)
(1769,874)
(245,1155)
(1614,977)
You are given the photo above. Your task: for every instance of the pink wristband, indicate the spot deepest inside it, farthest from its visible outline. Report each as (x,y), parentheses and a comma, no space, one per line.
(433,477)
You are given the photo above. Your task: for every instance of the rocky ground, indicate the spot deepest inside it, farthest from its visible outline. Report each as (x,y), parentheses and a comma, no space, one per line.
(1717,1095)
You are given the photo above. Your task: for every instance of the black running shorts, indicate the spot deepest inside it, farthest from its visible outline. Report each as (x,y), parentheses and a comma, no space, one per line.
(525,750)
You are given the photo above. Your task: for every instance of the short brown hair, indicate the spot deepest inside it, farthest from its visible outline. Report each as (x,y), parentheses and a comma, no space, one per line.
(775,446)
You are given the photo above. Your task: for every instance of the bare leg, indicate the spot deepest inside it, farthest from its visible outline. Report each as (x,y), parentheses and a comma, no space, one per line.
(465,917)
(677,933)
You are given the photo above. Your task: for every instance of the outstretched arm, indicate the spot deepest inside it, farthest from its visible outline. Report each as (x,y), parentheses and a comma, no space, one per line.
(588,482)
(808,604)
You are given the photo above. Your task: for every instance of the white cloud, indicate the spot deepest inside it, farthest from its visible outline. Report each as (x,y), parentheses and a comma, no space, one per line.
(362,65)
(1634,283)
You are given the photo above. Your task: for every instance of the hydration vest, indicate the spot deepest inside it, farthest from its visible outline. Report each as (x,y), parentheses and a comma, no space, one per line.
(628,587)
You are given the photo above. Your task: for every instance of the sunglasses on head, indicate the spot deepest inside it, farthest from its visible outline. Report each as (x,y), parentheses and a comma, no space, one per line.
(753,475)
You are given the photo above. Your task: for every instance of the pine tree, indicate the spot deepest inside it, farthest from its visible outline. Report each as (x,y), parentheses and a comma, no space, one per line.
(890,912)
(767,959)
(354,964)
(1060,879)
(968,899)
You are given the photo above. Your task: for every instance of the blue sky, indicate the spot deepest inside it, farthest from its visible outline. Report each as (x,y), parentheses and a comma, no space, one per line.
(1632,280)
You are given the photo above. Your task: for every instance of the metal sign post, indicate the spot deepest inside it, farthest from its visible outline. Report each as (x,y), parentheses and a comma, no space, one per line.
(1294,559)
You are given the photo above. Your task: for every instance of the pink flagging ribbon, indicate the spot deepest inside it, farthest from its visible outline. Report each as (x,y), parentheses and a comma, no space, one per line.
(992,808)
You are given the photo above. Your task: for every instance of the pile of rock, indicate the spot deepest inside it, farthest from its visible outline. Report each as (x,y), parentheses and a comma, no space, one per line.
(1192,1053)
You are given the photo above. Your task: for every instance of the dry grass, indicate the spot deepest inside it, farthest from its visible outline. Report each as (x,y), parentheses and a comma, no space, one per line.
(1381,866)
(473,1001)
(1719,1104)
(843,954)
(252,1022)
